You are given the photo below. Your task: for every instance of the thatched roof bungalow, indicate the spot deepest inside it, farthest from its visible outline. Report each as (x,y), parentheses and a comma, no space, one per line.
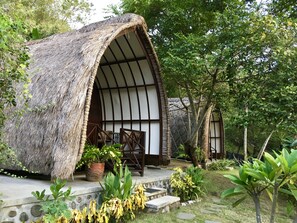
(109,69)
(179,122)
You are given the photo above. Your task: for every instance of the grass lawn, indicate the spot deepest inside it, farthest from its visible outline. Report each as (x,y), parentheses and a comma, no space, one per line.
(212,208)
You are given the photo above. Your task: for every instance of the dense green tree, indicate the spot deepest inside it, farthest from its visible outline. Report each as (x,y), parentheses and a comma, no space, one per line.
(222,53)
(13,63)
(269,88)
(47,17)
(287,8)
(178,30)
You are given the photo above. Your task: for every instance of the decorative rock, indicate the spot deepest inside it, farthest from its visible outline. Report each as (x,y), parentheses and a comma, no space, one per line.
(214,209)
(73,205)
(185,216)
(24,217)
(218,206)
(83,206)
(36,211)
(203,211)
(162,202)
(12,214)
(216,200)
(153,167)
(208,221)
(166,209)
(78,199)
(89,197)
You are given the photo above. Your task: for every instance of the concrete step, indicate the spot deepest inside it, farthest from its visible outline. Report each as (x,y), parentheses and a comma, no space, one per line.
(162,204)
(155,192)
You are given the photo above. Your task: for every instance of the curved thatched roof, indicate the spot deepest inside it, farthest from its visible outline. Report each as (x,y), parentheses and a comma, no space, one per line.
(50,137)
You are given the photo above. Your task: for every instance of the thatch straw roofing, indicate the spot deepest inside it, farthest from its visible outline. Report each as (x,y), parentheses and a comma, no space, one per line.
(50,138)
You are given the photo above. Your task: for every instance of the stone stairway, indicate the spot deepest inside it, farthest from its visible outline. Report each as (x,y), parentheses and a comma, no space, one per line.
(159,201)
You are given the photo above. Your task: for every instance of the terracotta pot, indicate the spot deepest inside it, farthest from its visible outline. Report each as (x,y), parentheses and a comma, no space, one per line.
(95,172)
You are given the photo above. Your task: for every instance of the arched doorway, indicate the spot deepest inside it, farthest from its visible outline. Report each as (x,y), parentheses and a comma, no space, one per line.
(95,117)
(216,135)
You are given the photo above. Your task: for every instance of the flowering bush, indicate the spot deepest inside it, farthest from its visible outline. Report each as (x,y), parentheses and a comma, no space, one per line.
(187,184)
(112,210)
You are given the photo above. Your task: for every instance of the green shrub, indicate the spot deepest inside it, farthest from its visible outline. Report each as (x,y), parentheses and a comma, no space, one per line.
(220,164)
(290,143)
(8,157)
(187,184)
(180,153)
(54,206)
(112,210)
(117,185)
(196,174)
(120,198)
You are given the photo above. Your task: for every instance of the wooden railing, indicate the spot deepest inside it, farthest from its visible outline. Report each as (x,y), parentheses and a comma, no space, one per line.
(133,144)
(133,149)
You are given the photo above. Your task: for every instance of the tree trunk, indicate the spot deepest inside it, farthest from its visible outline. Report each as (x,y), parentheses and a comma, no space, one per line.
(205,134)
(266,141)
(258,209)
(245,137)
(190,151)
(264,145)
(274,200)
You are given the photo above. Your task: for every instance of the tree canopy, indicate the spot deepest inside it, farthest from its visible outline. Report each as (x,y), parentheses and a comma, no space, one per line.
(226,54)
(13,61)
(47,17)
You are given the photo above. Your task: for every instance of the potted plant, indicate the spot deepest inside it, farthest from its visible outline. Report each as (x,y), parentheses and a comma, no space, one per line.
(95,158)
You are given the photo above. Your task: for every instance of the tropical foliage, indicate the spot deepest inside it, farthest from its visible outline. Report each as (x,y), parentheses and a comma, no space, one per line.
(118,204)
(273,175)
(222,164)
(54,206)
(13,62)
(92,154)
(117,185)
(113,210)
(120,196)
(188,184)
